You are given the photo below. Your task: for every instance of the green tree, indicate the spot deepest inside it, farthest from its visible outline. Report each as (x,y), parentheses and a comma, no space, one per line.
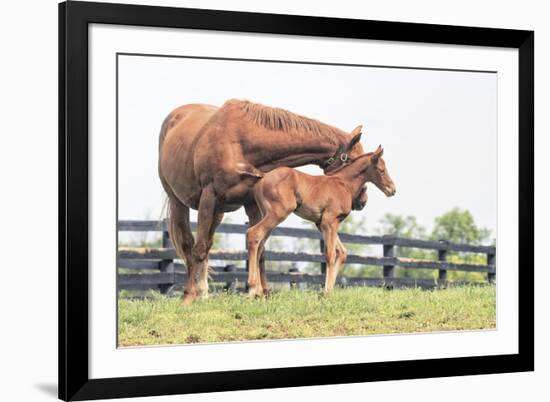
(408,227)
(458,226)
(403,226)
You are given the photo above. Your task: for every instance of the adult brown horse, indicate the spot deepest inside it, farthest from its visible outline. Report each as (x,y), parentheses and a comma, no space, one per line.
(210,158)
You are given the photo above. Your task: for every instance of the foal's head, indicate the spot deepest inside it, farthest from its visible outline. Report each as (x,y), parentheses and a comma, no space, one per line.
(376,172)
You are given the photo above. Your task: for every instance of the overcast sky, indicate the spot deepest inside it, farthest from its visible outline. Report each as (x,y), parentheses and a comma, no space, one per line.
(438,128)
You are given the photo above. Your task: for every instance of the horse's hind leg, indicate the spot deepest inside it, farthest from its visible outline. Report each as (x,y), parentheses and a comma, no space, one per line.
(182,238)
(208,220)
(203,278)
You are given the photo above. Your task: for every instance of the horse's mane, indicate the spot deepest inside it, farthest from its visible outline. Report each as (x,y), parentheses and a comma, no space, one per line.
(278,119)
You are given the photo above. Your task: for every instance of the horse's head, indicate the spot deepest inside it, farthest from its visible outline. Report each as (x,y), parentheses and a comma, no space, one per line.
(360,199)
(345,153)
(377,173)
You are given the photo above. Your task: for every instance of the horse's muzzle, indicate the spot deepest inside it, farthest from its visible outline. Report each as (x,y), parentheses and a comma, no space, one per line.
(358,205)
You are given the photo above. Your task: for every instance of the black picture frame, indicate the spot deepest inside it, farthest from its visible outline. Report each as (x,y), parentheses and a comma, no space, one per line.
(74,18)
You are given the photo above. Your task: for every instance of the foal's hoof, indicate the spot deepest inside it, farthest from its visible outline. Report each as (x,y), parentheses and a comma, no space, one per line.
(255,293)
(325,293)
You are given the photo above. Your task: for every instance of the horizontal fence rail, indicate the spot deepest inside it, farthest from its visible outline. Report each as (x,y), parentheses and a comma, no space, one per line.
(232,228)
(170,254)
(170,273)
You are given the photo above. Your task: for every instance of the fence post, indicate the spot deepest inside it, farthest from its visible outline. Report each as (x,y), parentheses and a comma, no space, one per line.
(442,256)
(491,260)
(389,270)
(166,266)
(292,283)
(231,286)
(323,264)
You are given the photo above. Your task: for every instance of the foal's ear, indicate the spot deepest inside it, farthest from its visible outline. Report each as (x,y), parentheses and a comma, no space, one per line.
(355,137)
(377,154)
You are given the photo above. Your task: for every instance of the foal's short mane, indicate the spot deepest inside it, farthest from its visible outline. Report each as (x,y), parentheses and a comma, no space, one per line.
(278,119)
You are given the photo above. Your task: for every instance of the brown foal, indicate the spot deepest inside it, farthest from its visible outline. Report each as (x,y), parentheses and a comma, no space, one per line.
(324,200)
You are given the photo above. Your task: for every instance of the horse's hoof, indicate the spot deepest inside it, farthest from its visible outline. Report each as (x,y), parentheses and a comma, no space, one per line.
(202,292)
(188,300)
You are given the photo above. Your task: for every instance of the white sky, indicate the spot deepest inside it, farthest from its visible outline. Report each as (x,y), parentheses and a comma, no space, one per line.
(438,128)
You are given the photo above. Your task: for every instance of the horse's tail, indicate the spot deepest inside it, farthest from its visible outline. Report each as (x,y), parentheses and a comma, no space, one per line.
(177,214)
(162,136)
(178,221)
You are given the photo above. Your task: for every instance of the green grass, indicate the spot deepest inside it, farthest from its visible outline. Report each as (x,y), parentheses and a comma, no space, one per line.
(302,313)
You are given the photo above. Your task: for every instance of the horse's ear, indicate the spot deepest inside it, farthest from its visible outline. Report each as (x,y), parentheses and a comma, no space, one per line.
(355,137)
(377,154)
(356,130)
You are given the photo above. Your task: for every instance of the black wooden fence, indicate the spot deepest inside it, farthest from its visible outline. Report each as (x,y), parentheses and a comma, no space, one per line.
(156,269)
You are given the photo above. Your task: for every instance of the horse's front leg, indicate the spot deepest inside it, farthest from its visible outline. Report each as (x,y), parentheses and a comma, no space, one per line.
(206,225)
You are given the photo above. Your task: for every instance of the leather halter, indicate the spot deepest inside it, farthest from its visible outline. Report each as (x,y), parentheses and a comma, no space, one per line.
(339,154)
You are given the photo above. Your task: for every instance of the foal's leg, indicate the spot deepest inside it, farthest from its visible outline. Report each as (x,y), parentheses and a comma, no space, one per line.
(261,262)
(254,216)
(206,221)
(255,236)
(329,228)
(341,255)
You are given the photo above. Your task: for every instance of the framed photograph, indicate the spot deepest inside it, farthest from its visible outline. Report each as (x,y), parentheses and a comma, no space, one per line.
(258,200)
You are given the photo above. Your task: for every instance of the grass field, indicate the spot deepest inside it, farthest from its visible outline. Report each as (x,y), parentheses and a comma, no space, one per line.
(301,313)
